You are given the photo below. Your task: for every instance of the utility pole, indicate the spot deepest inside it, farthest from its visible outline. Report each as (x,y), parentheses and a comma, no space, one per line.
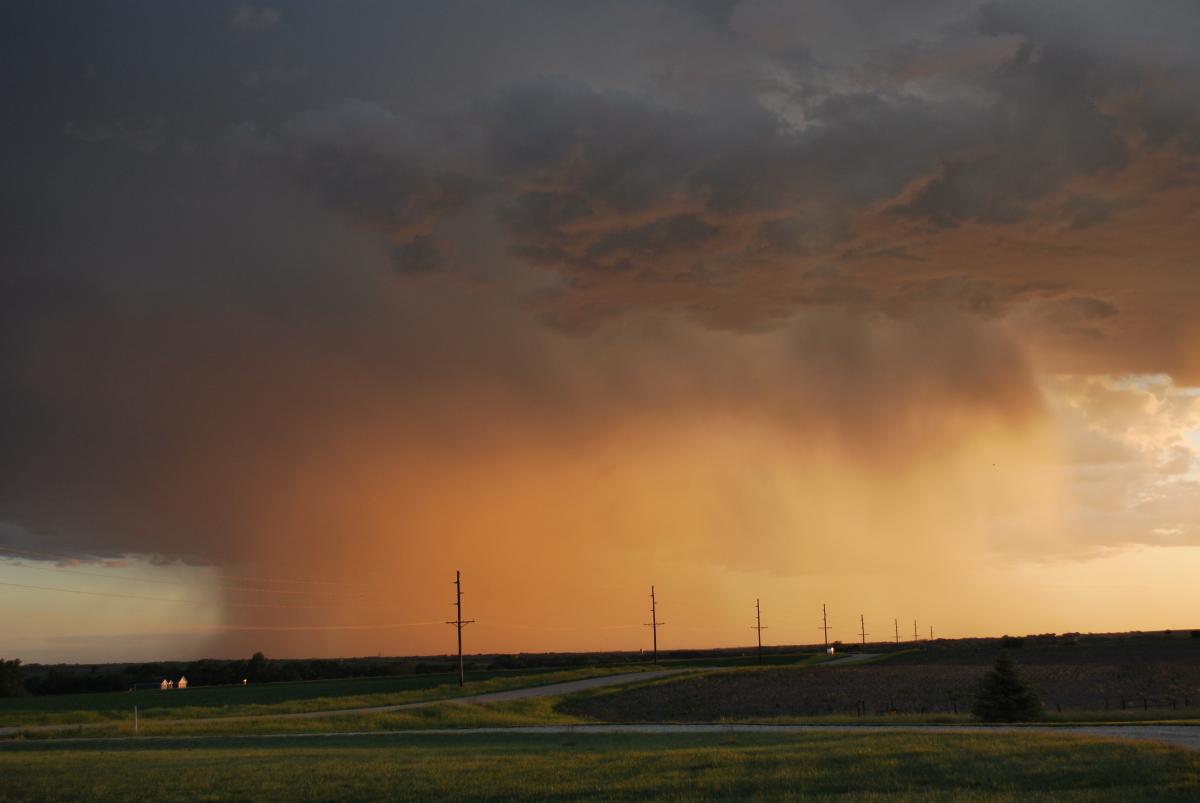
(758,625)
(654,623)
(825,626)
(458,622)
(931,632)
(915,636)
(862,629)
(896,622)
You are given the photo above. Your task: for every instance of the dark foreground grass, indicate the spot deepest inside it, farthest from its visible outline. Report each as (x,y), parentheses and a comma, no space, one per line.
(609,767)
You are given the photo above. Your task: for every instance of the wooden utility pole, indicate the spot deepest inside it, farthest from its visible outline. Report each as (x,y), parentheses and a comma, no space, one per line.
(758,625)
(654,623)
(458,622)
(862,629)
(825,626)
(931,632)
(896,622)
(915,636)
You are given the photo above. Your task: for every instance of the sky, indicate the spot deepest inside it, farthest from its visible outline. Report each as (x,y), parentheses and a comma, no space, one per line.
(306,306)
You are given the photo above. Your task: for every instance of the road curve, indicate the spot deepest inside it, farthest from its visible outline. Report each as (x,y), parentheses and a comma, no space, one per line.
(546,690)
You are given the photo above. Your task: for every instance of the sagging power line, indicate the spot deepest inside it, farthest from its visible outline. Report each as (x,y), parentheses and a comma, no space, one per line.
(114,594)
(81,558)
(159,581)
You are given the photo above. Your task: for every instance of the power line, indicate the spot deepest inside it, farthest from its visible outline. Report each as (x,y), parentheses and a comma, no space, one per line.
(167,599)
(159,581)
(559,628)
(81,558)
(389,626)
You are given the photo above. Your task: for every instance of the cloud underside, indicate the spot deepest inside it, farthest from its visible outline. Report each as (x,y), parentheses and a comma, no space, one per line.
(771,272)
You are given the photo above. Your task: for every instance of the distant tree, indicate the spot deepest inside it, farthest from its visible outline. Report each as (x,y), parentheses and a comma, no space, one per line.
(258,670)
(1004,696)
(12,683)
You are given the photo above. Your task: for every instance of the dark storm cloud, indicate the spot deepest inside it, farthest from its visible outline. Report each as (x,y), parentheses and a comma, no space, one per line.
(215,217)
(1047,128)
(976,296)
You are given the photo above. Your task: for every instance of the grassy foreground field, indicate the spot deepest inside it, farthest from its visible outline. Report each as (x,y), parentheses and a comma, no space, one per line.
(679,767)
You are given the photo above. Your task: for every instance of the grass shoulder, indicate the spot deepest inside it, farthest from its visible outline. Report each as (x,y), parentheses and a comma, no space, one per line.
(616,767)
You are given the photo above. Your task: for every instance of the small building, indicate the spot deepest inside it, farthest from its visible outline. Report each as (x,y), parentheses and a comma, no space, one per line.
(166,684)
(182,684)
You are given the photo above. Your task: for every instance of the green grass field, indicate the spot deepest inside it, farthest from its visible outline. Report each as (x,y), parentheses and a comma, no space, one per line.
(274,698)
(449,714)
(699,767)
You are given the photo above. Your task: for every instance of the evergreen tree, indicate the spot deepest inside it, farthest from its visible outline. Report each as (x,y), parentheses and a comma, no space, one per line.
(1004,696)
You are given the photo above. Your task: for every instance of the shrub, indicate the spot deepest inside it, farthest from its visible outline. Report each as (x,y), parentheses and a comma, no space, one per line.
(12,684)
(1004,696)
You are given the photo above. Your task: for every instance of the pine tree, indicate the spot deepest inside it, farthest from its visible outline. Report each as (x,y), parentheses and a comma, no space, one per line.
(1004,695)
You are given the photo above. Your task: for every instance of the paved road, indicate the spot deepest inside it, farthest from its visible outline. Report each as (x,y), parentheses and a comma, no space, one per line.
(1185,736)
(1181,735)
(547,690)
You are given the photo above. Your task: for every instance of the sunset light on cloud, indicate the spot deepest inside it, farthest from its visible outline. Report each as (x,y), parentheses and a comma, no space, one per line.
(891,307)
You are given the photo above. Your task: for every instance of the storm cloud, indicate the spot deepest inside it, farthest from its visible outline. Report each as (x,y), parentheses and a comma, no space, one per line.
(383,286)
